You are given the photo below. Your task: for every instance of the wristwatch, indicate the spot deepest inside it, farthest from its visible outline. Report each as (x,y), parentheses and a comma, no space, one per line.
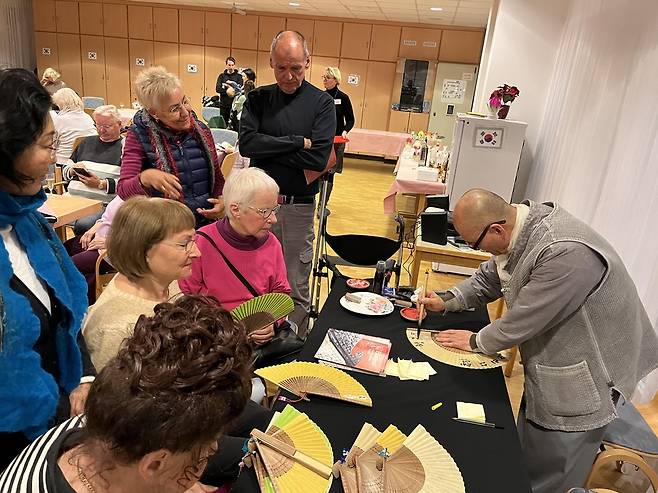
(102,184)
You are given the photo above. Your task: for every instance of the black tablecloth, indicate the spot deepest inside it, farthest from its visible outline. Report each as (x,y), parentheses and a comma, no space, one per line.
(489,459)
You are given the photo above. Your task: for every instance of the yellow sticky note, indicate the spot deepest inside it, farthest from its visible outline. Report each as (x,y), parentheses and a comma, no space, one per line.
(392,368)
(404,366)
(471,411)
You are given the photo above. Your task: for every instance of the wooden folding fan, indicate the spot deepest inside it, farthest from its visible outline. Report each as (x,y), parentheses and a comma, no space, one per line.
(296,455)
(303,378)
(263,310)
(366,438)
(421,465)
(369,465)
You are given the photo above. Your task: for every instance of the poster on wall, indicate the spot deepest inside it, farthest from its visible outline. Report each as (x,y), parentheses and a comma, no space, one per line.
(453,91)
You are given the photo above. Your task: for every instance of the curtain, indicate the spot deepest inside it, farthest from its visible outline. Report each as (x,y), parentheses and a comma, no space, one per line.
(598,149)
(16,43)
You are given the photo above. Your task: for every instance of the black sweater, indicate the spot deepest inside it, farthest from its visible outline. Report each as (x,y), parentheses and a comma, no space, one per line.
(225,99)
(344,111)
(272,131)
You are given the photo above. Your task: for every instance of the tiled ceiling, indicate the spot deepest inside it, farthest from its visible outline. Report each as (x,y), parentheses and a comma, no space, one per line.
(454,12)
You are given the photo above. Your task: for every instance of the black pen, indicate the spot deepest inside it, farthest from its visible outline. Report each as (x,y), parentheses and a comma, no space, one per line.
(479,423)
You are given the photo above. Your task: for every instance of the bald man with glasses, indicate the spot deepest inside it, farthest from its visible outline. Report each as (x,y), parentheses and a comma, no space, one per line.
(574,312)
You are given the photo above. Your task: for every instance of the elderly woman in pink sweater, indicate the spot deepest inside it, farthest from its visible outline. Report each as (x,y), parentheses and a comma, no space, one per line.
(241,245)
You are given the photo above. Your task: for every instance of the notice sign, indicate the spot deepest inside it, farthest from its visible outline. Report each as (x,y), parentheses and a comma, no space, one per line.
(453,91)
(353,79)
(192,68)
(45,51)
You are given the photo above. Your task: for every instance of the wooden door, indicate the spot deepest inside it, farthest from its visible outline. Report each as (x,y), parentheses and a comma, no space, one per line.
(140,53)
(191,71)
(377,104)
(91,18)
(165,25)
(43,15)
(245,59)
(66,16)
(166,54)
(418,122)
(398,121)
(353,74)
(191,26)
(92,49)
(318,66)
(70,65)
(117,72)
(244,31)
(326,38)
(218,29)
(264,73)
(419,43)
(140,22)
(47,54)
(384,43)
(214,64)
(303,26)
(268,27)
(115,20)
(461,46)
(356,40)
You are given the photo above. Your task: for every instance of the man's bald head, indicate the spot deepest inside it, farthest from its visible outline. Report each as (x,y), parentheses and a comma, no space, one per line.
(289,59)
(289,41)
(479,207)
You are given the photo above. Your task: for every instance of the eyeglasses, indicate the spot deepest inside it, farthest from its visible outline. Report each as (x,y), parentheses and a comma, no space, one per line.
(179,107)
(186,245)
(476,245)
(266,213)
(105,127)
(327,77)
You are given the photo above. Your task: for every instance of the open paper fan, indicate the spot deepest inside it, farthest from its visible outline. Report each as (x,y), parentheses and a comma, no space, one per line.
(296,454)
(303,378)
(369,465)
(427,345)
(422,465)
(366,438)
(263,310)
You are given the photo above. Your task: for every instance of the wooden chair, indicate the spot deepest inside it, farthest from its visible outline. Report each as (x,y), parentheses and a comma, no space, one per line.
(227,163)
(58,186)
(77,141)
(102,280)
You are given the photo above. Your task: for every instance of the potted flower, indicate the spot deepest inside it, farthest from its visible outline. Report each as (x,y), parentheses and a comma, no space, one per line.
(500,99)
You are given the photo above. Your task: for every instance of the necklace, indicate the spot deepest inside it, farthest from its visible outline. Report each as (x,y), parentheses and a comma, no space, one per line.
(83,478)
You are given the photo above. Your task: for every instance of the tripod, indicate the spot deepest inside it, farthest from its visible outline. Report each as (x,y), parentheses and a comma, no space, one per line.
(318,261)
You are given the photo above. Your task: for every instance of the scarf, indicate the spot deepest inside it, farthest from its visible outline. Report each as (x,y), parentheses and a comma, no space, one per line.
(28,394)
(236,240)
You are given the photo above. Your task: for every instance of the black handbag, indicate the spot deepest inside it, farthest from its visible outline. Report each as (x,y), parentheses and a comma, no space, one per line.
(285,344)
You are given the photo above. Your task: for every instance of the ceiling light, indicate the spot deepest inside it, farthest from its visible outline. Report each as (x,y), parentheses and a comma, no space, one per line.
(436,9)
(293,4)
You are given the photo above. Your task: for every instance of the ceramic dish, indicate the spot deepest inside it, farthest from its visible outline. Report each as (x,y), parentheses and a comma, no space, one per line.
(410,314)
(371,304)
(358,283)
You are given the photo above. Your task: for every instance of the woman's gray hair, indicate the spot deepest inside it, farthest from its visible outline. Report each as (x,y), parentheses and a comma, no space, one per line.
(68,100)
(243,185)
(153,84)
(107,110)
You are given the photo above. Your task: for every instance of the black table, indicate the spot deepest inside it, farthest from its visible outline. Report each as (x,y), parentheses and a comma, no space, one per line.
(489,459)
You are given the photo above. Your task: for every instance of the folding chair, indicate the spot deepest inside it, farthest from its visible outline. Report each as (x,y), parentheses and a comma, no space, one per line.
(92,102)
(224,135)
(102,279)
(213,117)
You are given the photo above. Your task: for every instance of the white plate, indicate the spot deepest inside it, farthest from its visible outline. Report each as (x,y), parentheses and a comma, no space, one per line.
(371,304)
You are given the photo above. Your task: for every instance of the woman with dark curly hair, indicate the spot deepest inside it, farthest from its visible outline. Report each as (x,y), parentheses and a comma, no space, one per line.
(156,412)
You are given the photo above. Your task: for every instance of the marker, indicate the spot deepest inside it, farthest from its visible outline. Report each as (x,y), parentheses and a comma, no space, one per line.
(437,405)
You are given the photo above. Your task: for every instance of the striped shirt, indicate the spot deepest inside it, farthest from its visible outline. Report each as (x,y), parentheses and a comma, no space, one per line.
(35,470)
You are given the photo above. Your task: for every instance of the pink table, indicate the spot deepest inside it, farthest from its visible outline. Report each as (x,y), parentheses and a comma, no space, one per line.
(375,143)
(406,181)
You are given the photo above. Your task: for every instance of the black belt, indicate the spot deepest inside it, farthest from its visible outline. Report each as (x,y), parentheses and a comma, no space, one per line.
(296,199)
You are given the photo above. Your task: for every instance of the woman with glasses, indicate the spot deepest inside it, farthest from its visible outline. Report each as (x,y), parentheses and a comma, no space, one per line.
(168,151)
(151,243)
(242,239)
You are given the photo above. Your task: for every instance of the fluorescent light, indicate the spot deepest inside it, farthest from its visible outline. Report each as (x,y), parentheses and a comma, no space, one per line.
(436,9)
(293,4)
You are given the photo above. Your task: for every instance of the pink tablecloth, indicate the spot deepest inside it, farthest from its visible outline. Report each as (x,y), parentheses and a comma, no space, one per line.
(375,143)
(406,181)
(126,115)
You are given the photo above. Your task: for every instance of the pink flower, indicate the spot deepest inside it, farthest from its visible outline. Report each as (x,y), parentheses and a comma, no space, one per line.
(495,102)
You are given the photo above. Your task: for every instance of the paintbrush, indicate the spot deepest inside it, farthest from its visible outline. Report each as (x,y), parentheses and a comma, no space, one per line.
(421,307)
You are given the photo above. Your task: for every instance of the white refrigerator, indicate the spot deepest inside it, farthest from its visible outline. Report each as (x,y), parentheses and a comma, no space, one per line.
(485,154)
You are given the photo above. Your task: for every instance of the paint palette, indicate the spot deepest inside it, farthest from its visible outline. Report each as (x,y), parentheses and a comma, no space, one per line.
(358,283)
(410,314)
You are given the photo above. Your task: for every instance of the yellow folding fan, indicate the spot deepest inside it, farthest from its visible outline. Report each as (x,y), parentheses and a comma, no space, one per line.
(303,378)
(366,438)
(369,465)
(263,310)
(295,453)
(421,465)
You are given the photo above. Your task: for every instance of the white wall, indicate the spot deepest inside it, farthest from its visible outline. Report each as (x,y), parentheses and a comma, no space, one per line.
(16,43)
(520,49)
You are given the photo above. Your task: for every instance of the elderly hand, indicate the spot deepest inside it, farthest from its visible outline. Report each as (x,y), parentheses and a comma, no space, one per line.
(97,243)
(262,336)
(307,143)
(78,397)
(216,211)
(161,181)
(86,238)
(344,134)
(92,181)
(459,339)
(432,302)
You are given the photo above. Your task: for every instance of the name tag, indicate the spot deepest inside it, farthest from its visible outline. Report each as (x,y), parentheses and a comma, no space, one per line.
(336,101)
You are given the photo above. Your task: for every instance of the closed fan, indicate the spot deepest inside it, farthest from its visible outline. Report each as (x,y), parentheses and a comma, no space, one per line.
(369,465)
(366,438)
(422,465)
(263,310)
(303,378)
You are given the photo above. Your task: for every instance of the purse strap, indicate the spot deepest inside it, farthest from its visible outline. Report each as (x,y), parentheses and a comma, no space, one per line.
(235,271)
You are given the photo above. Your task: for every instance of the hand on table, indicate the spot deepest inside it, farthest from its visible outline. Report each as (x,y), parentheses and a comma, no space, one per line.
(78,397)
(216,211)
(307,143)
(454,338)
(161,181)
(262,336)
(432,302)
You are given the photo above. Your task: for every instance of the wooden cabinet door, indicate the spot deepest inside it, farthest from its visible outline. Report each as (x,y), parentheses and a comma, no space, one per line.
(140,53)
(245,59)
(419,43)
(70,65)
(47,53)
(92,50)
(244,31)
(190,26)
(303,26)
(43,15)
(398,121)
(356,87)
(66,16)
(385,42)
(140,22)
(214,64)
(218,29)
(461,46)
(166,54)
(318,66)
(264,73)
(192,76)
(117,72)
(418,122)
(326,38)
(268,27)
(91,18)
(165,25)
(356,40)
(379,86)
(115,20)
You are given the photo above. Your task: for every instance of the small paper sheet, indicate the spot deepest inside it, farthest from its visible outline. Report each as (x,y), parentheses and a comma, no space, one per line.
(471,411)
(405,369)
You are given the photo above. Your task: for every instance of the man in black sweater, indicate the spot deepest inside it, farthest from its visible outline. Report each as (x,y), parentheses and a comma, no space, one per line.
(226,85)
(286,128)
